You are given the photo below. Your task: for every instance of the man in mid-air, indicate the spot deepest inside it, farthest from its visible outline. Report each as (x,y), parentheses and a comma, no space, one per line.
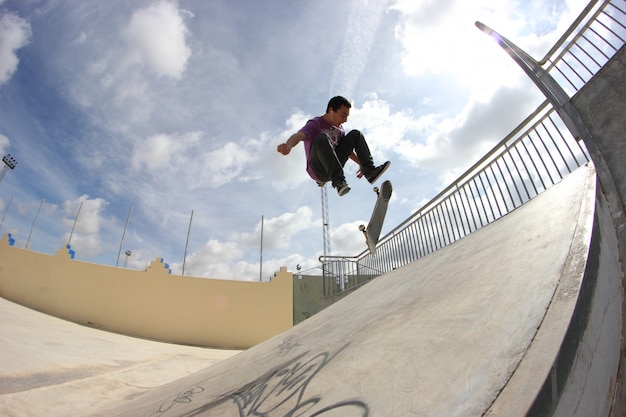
(328,147)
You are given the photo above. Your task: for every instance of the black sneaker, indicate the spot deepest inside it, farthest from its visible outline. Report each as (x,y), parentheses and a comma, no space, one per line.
(342,188)
(377,172)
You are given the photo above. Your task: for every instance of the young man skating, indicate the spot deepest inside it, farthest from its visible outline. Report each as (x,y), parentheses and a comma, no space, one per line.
(328,147)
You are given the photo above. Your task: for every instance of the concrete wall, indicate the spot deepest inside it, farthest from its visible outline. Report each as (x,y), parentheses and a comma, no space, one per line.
(583,380)
(601,106)
(150,304)
(313,293)
(588,381)
(308,296)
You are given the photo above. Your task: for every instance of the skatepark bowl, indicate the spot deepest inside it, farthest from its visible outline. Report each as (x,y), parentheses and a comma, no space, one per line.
(504,296)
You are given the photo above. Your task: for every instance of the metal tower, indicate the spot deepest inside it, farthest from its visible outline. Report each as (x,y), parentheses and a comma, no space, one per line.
(325,221)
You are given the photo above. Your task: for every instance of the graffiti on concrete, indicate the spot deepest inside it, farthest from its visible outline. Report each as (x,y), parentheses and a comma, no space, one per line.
(287,346)
(183,397)
(280,392)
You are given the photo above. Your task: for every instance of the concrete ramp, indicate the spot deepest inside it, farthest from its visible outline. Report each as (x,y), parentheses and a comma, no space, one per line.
(54,368)
(468,330)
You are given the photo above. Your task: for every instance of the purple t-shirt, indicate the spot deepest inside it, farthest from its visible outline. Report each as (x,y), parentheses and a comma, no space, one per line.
(311,129)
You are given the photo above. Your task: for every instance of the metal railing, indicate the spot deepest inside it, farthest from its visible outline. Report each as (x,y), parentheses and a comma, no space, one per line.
(539,153)
(594,37)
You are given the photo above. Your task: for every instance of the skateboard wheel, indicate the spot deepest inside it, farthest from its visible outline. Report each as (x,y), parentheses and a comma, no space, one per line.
(376,190)
(362,228)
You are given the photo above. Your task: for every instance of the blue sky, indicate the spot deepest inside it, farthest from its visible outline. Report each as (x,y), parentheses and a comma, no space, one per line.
(178,106)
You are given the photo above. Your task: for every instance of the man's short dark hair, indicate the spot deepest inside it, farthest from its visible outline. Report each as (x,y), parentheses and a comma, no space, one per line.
(336,102)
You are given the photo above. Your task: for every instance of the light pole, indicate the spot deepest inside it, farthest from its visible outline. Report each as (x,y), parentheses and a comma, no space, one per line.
(9,162)
(127,253)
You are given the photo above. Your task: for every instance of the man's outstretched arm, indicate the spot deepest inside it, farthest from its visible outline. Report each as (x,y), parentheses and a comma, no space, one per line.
(293,140)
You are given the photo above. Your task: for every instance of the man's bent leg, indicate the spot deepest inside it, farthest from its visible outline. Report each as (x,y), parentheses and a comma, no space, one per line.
(354,140)
(324,160)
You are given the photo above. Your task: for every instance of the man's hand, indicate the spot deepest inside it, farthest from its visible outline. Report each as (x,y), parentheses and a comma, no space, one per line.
(293,140)
(355,158)
(284,148)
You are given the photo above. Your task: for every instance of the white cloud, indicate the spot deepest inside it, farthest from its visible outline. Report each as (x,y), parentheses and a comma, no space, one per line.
(163,152)
(347,238)
(4,143)
(15,33)
(192,158)
(361,27)
(442,39)
(208,264)
(214,255)
(286,172)
(384,129)
(278,231)
(124,70)
(441,42)
(157,38)
(85,216)
(455,142)
(228,163)
(228,259)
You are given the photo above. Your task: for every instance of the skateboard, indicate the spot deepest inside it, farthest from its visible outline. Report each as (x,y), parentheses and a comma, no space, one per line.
(375,225)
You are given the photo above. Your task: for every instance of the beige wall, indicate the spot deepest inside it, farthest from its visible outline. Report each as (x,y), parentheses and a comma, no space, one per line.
(151,304)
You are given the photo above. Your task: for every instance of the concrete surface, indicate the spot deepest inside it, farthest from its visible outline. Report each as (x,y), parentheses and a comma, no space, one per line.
(473,326)
(51,367)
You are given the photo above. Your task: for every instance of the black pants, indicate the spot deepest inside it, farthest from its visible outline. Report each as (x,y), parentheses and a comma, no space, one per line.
(328,163)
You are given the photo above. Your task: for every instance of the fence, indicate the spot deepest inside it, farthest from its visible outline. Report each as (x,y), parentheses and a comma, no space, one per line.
(540,152)
(593,38)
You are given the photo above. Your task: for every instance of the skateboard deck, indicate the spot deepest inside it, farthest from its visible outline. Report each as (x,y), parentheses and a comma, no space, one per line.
(375,225)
